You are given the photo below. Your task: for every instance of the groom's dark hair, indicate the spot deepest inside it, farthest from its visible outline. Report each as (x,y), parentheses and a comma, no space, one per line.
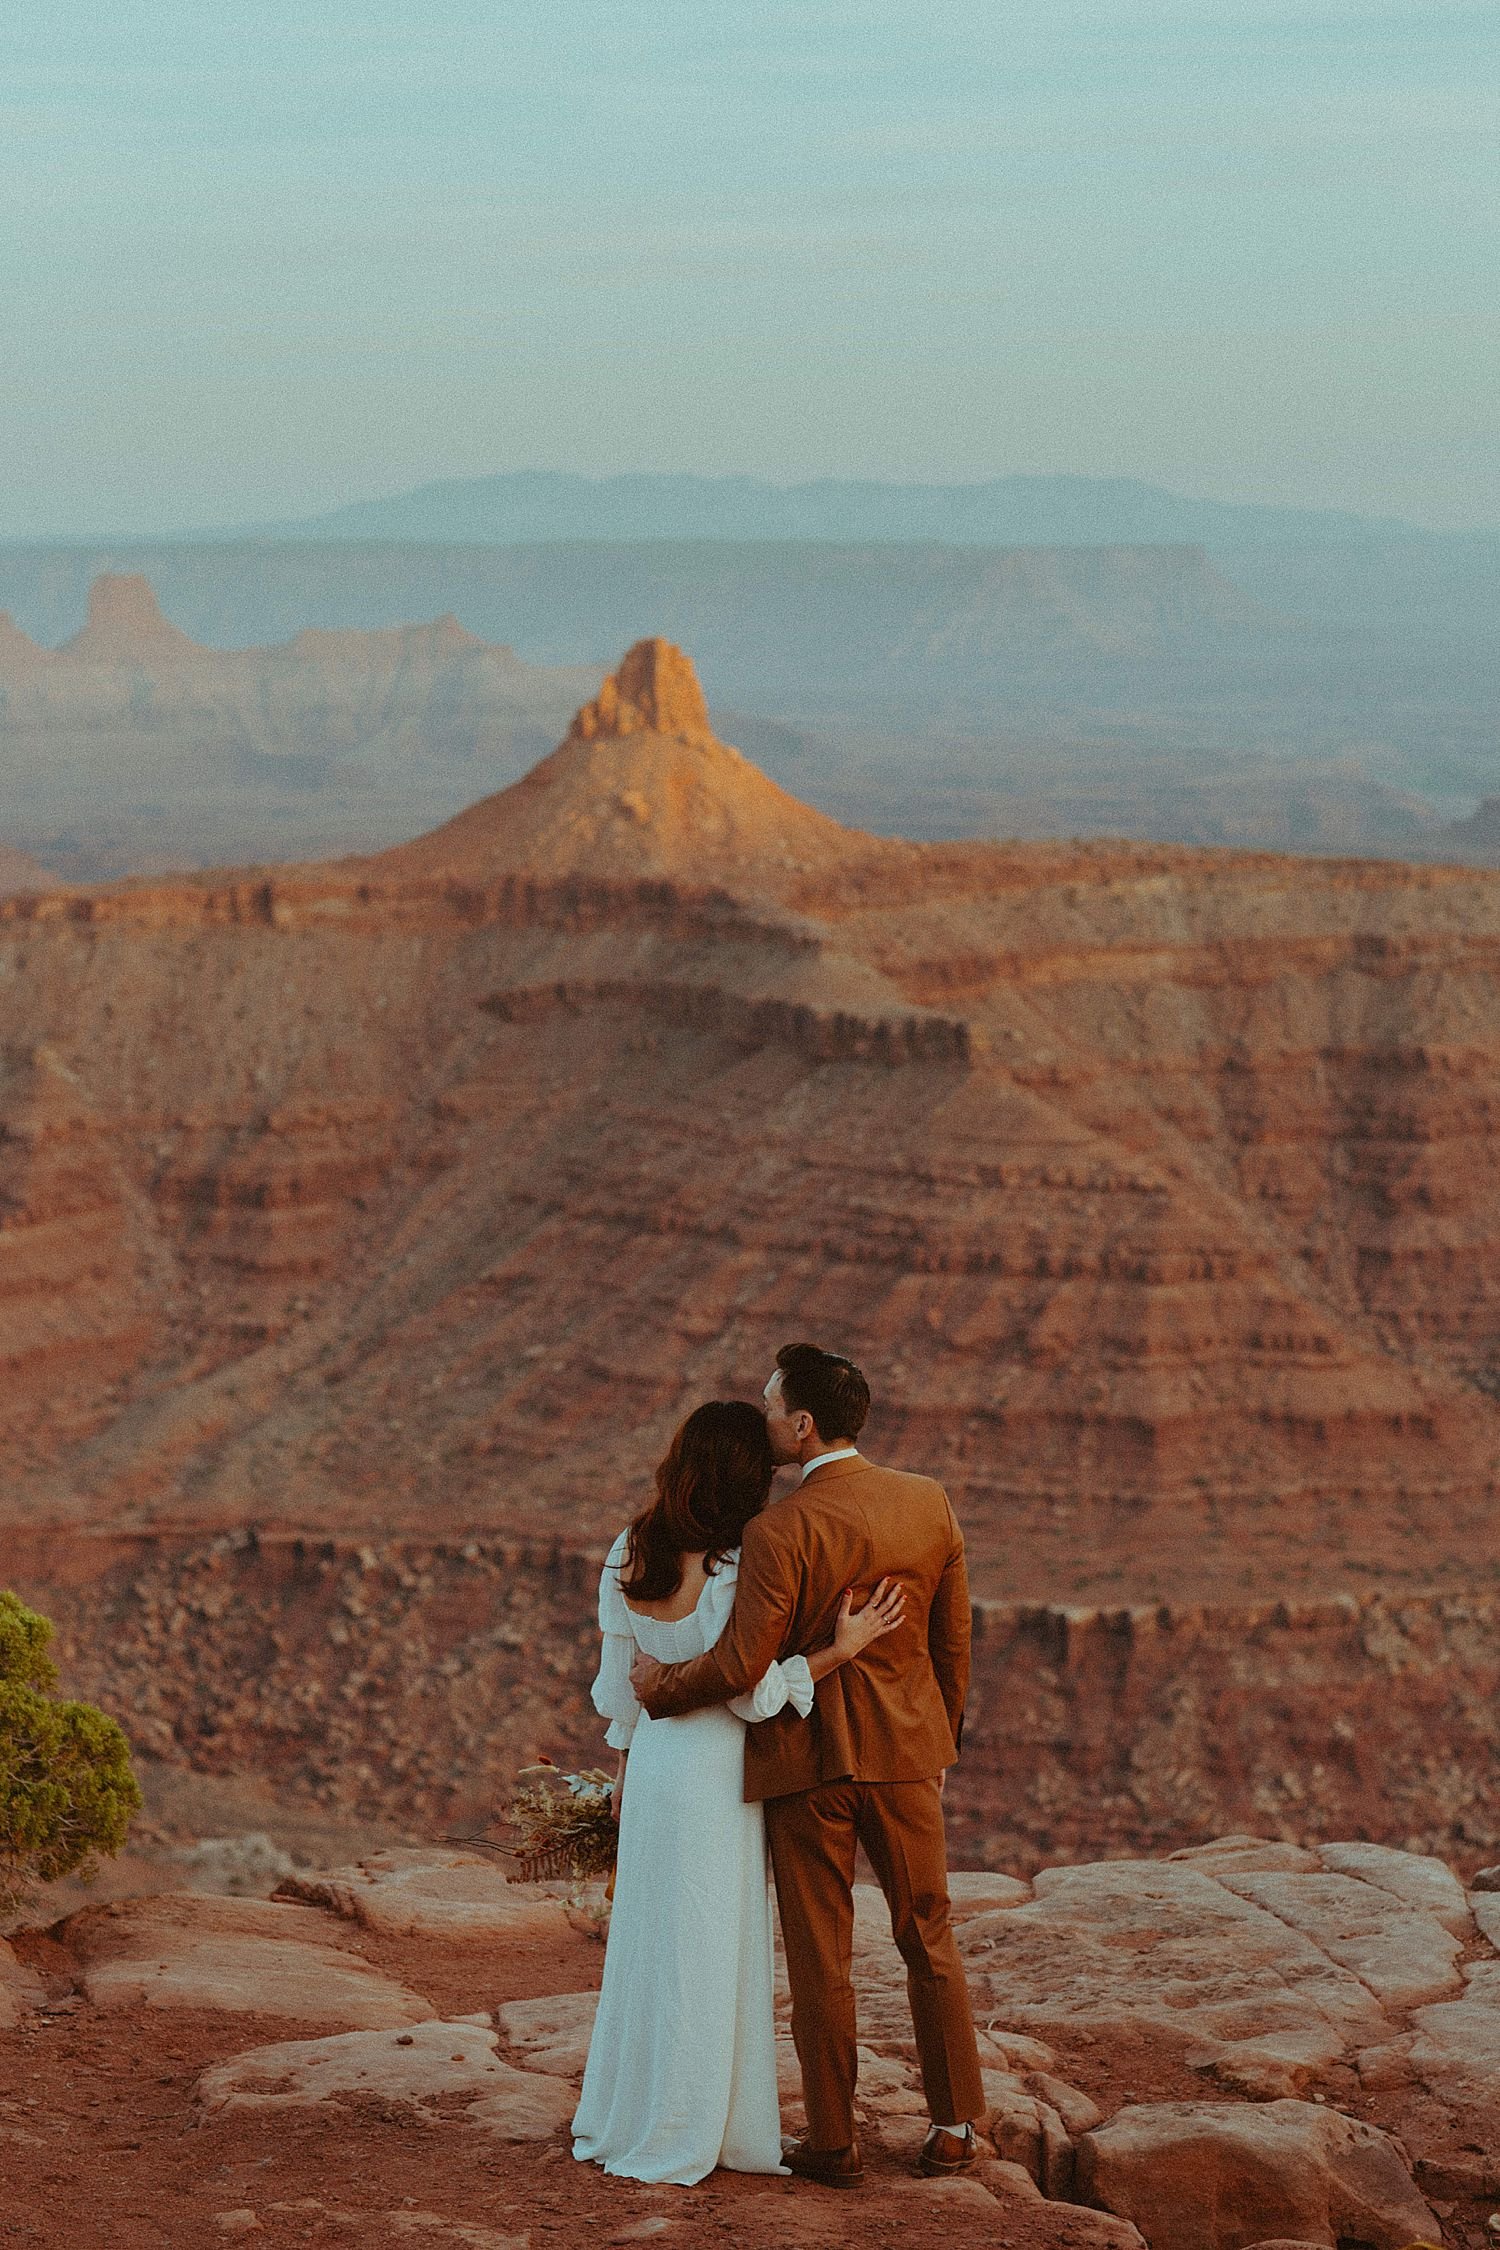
(830,1389)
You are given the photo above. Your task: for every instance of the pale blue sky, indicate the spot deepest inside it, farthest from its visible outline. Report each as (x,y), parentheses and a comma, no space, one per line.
(258,260)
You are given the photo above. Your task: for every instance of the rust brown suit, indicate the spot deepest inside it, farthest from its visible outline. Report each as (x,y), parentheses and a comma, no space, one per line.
(863,1770)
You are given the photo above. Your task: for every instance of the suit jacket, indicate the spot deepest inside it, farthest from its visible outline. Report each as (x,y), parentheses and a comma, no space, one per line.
(895,1712)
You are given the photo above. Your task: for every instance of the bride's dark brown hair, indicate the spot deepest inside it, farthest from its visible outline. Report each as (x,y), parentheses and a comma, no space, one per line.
(716,1475)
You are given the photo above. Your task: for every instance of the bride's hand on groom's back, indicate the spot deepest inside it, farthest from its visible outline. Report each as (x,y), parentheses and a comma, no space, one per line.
(857,1628)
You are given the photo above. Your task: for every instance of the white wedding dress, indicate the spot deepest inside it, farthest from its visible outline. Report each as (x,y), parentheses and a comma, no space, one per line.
(682,2066)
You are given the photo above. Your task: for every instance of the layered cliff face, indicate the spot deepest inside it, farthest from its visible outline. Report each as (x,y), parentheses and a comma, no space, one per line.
(407,1680)
(1155,1189)
(365,1229)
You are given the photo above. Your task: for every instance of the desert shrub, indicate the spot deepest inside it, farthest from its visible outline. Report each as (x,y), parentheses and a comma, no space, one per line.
(66,1789)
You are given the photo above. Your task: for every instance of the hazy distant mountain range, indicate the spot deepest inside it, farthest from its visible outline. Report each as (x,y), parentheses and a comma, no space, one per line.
(1318,563)
(1032,656)
(1021,511)
(1312,562)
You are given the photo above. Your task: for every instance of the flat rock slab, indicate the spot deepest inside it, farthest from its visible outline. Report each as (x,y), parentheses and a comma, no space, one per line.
(975,1892)
(430,2060)
(1247,1855)
(1456,2051)
(1486,1910)
(1404,1954)
(1164,1950)
(1218,2175)
(424,1893)
(872,1917)
(550,2035)
(1411,1876)
(239,1955)
(1000,2049)
(948,2195)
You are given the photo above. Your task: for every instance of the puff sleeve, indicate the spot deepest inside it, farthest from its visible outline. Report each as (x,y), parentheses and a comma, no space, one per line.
(788,1681)
(613,1696)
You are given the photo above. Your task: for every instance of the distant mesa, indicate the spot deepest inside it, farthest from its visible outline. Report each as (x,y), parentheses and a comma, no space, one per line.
(126,626)
(639,788)
(131,748)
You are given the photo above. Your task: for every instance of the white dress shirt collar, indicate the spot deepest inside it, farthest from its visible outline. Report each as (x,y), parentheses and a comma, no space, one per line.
(839,1453)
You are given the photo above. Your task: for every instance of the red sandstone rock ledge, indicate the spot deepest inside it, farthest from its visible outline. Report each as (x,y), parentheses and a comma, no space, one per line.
(1245,2043)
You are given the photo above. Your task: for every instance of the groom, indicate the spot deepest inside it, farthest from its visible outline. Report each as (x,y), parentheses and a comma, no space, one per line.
(868,1767)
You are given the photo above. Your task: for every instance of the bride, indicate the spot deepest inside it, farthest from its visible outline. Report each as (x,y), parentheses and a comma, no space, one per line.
(681,2071)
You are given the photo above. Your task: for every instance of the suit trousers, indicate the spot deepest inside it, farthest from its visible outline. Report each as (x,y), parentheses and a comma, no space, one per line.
(813,1836)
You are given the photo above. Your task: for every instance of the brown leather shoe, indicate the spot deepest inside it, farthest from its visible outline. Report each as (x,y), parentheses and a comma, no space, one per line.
(828,2167)
(945,2154)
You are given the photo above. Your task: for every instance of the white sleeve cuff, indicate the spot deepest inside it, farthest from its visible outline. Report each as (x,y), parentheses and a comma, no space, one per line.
(799,1685)
(784,1683)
